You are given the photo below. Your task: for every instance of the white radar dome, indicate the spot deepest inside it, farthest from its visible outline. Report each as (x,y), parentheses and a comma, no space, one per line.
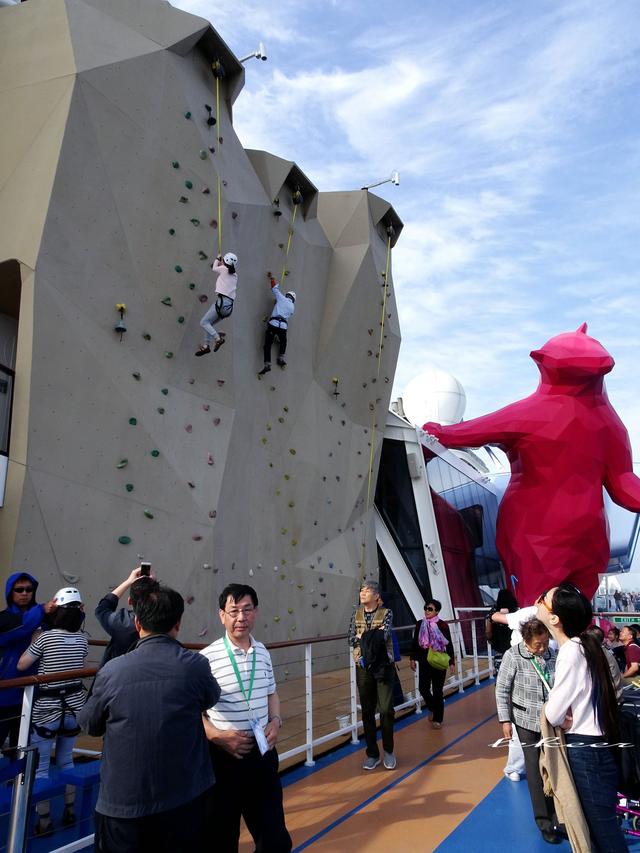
(434,395)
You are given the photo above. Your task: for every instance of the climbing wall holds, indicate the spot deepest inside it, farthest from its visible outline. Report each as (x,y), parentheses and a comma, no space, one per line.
(155,453)
(234,214)
(202,255)
(129,487)
(206,191)
(195,222)
(188,185)
(331,565)
(188,428)
(209,459)
(287,477)
(136,375)
(285,408)
(178,268)
(251,573)
(164,391)
(205,407)
(160,410)
(168,354)
(277,213)
(214,223)
(187,115)
(206,566)
(146,336)
(181,319)
(203,298)
(212,513)
(283,531)
(203,154)
(220,382)
(291,504)
(124,540)
(289,610)
(183,199)
(122,463)
(175,164)
(172,231)
(148,513)
(292,451)
(192,285)
(166,300)
(133,421)
(203,633)
(196,537)
(216,421)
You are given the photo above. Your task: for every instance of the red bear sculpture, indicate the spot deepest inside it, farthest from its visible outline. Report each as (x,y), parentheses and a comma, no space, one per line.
(564,443)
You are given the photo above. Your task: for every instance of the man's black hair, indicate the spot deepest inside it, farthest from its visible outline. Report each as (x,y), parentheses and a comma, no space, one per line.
(140,588)
(633,629)
(160,610)
(237,591)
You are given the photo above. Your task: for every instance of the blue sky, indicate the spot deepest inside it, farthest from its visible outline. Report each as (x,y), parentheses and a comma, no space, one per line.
(515,128)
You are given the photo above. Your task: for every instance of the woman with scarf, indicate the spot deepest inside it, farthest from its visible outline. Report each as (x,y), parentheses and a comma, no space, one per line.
(431,641)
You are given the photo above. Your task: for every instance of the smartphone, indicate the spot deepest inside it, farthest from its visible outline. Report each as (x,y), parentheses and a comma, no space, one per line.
(145,568)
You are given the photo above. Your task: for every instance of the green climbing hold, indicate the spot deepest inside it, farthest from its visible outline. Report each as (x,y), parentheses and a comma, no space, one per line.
(155,453)
(289,610)
(133,421)
(172,231)
(203,154)
(203,255)
(122,463)
(269,427)
(175,164)
(280,420)
(188,185)
(148,513)
(283,531)
(164,391)
(160,410)
(129,487)
(263,440)
(124,540)
(192,285)
(195,222)
(187,114)
(136,375)
(287,477)
(181,319)
(166,300)
(276,618)
(146,336)
(178,268)
(278,492)
(285,408)
(168,354)
(292,451)
(292,504)
(294,542)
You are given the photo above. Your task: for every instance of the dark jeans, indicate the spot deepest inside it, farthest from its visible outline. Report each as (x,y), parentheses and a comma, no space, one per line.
(376,694)
(543,810)
(10,726)
(180,830)
(270,336)
(596,779)
(430,683)
(249,787)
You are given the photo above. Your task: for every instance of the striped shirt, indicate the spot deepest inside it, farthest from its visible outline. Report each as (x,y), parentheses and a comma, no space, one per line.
(58,650)
(231,710)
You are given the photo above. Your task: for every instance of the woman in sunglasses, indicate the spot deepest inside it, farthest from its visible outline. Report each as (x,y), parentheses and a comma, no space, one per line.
(20,592)
(583,703)
(431,646)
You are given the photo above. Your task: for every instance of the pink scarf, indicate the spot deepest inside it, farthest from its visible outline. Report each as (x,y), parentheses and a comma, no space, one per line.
(431,637)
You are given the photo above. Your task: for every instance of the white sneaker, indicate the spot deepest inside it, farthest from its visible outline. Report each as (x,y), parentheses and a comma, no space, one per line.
(513,777)
(370,763)
(389,761)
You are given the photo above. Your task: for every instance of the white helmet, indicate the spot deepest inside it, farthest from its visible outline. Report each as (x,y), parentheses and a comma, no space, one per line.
(291,294)
(230,259)
(67,595)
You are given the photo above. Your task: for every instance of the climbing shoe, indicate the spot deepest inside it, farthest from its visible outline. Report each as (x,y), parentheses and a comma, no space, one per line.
(203,351)
(218,343)
(281,362)
(264,370)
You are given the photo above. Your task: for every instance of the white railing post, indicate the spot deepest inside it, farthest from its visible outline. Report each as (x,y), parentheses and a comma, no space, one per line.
(25,719)
(474,641)
(308,683)
(416,689)
(492,669)
(354,700)
(459,658)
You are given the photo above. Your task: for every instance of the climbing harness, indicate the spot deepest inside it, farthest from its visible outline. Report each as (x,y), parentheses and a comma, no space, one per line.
(60,693)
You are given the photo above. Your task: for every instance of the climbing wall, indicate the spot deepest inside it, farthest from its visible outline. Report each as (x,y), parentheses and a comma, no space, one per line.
(128,444)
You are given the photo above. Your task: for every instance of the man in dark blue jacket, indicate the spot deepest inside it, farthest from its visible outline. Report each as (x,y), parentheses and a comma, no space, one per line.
(156,769)
(20,593)
(119,623)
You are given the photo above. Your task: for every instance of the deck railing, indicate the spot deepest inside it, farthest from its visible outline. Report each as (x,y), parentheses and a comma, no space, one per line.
(312,723)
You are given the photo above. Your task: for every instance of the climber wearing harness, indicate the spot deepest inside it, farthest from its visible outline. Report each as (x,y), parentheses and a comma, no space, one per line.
(277,326)
(225,269)
(63,647)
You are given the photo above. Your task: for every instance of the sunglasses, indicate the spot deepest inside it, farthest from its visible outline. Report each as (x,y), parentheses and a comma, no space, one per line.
(23,589)
(430,608)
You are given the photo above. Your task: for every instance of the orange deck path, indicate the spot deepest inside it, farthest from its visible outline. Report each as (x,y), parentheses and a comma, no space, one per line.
(414,811)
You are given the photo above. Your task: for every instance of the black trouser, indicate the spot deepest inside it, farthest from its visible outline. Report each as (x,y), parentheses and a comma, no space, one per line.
(269,336)
(10,725)
(376,694)
(247,787)
(430,685)
(180,830)
(543,810)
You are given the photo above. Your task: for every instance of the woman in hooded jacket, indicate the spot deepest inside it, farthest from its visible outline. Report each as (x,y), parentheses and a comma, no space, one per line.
(20,591)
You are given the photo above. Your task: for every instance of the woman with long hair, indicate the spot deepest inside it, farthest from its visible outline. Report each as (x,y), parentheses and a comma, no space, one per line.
(583,703)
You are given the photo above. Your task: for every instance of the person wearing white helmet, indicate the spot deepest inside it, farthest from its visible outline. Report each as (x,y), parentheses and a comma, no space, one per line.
(277,325)
(226,284)
(63,647)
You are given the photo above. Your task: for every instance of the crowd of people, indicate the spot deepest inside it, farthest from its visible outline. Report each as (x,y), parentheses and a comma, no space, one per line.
(190,738)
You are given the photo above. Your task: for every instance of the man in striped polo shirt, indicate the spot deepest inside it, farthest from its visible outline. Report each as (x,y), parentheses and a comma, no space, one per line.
(242,730)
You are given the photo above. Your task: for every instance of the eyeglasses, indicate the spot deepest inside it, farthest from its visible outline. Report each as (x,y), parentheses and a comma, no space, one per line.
(23,589)
(542,601)
(242,611)
(430,608)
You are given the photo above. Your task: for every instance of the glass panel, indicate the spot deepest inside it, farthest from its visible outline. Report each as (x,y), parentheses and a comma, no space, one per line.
(6,396)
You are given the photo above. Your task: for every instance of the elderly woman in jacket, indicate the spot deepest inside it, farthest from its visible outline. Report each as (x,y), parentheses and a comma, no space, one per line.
(524,681)
(431,633)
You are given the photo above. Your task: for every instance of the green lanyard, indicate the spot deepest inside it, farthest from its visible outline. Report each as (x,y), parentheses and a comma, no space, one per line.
(543,673)
(232,658)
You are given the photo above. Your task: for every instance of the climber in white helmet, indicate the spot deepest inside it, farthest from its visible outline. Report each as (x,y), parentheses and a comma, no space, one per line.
(225,269)
(277,325)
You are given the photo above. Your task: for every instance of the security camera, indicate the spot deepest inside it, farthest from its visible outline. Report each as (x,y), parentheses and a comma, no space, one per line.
(395,178)
(261,52)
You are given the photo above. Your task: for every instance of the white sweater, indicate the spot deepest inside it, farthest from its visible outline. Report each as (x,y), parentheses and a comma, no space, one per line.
(227,281)
(572,690)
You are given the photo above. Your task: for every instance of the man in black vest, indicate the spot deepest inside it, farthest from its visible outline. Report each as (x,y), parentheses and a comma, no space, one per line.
(372,644)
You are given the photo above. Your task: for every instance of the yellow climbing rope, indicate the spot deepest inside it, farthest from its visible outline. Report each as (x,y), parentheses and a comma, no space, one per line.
(219,182)
(286,255)
(373,413)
